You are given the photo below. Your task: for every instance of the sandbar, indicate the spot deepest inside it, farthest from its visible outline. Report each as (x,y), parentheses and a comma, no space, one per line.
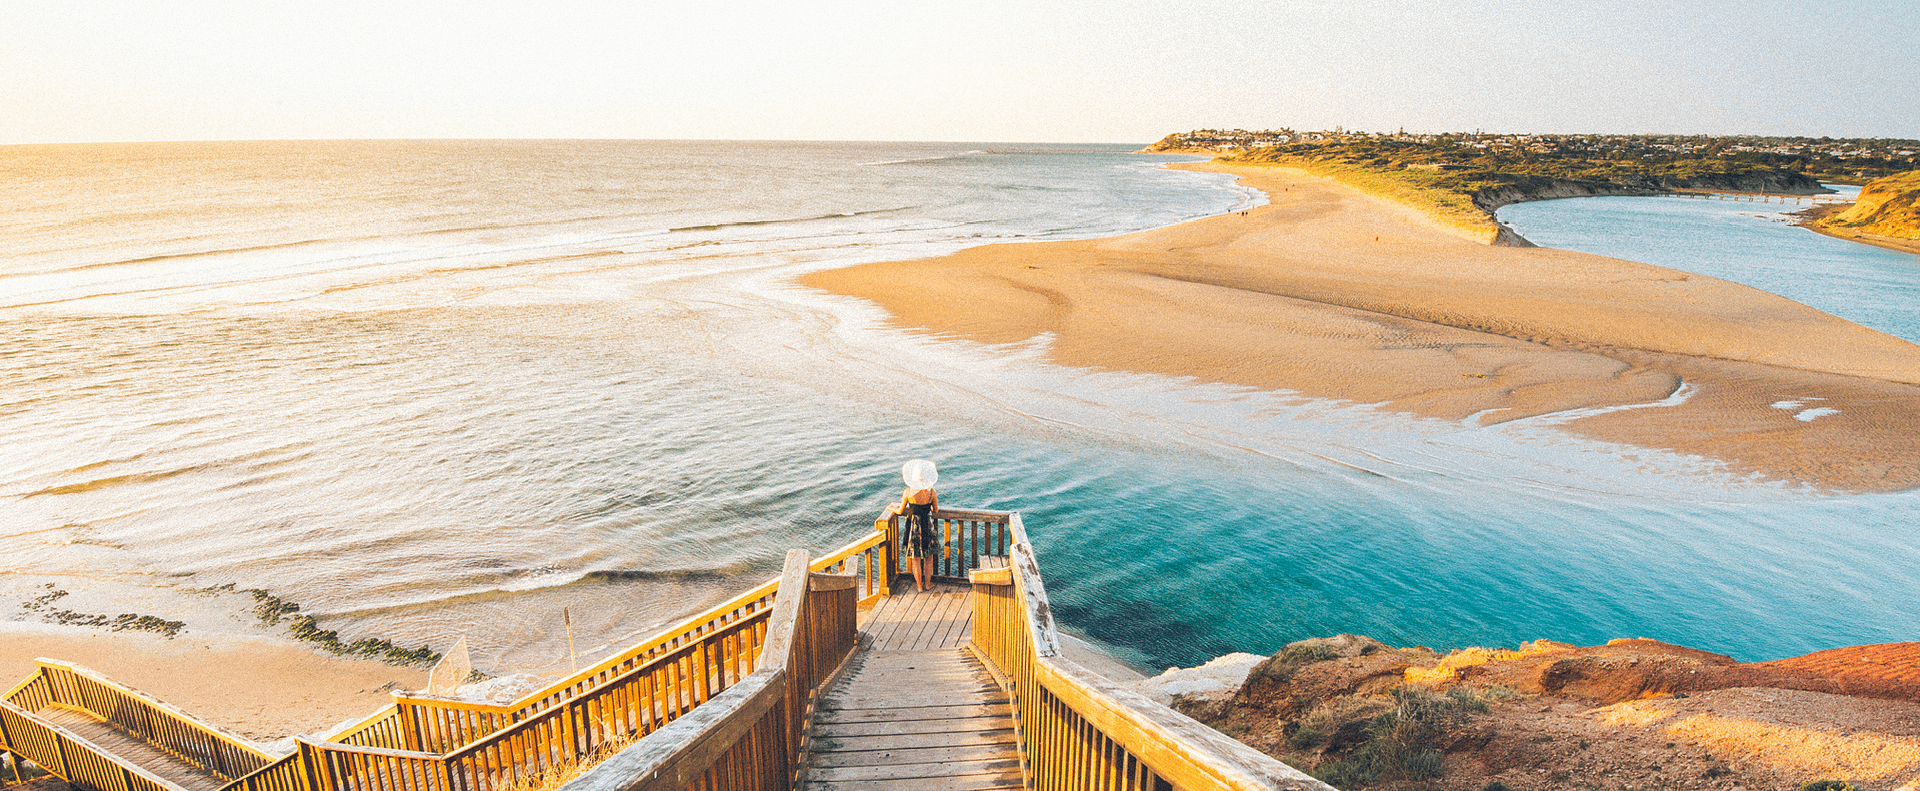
(1335,294)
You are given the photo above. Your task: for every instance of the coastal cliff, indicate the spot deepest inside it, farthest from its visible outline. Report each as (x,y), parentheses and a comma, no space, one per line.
(1531,188)
(1628,714)
(1887,214)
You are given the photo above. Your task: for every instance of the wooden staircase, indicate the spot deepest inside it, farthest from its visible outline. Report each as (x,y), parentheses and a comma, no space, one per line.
(129,749)
(915,710)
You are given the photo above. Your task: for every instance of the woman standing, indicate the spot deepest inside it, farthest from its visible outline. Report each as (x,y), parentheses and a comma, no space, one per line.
(917,507)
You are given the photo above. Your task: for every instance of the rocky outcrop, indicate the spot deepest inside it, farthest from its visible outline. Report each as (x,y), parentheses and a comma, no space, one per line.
(1631,713)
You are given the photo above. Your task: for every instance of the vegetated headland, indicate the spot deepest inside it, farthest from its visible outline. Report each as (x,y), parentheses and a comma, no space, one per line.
(1886,215)
(1462,178)
(1633,713)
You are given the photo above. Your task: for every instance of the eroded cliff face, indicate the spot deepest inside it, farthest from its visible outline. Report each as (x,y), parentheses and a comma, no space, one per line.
(1887,207)
(1627,714)
(1532,189)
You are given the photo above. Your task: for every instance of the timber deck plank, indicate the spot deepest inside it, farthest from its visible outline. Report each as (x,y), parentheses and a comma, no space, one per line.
(835,730)
(919,713)
(986,782)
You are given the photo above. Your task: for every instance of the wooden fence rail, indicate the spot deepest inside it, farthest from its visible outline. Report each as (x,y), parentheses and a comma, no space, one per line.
(140,715)
(749,737)
(1078,731)
(646,698)
(83,764)
(965,536)
(436,725)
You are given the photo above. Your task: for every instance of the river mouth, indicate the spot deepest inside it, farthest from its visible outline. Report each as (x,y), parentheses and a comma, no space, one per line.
(420,449)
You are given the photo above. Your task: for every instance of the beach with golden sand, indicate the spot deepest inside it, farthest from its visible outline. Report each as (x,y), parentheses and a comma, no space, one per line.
(1334,294)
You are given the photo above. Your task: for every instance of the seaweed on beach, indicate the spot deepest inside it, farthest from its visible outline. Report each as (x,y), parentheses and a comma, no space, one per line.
(124,622)
(273,610)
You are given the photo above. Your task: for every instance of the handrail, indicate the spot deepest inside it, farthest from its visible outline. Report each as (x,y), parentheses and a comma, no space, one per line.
(672,686)
(1079,731)
(749,736)
(166,727)
(659,682)
(968,533)
(421,722)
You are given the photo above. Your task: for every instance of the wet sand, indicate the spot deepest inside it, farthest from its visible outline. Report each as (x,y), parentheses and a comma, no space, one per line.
(1334,294)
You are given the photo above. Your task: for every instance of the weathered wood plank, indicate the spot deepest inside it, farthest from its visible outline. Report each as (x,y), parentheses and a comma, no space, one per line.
(897,771)
(897,615)
(956,626)
(906,701)
(834,730)
(985,782)
(889,690)
(911,741)
(943,610)
(919,607)
(924,755)
(907,638)
(910,713)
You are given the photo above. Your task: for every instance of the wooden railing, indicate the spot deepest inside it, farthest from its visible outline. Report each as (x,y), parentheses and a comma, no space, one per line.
(1080,732)
(554,728)
(140,715)
(81,763)
(420,723)
(749,737)
(965,535)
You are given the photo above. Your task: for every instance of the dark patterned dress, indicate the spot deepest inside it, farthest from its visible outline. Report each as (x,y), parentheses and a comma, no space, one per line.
(918,538)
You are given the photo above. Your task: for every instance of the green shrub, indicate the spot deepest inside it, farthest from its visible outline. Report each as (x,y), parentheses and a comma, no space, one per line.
(1826,785)
(1306,738)
(1425,764)
(1466,701)
(1311,652)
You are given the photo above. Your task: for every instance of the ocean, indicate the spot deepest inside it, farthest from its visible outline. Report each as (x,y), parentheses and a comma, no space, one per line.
(427,389)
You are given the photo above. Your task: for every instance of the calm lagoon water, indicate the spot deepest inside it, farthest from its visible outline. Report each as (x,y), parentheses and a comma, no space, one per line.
(1753,244)
(427,389)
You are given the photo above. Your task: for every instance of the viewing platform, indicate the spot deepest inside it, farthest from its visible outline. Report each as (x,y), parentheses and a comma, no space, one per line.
(832,677)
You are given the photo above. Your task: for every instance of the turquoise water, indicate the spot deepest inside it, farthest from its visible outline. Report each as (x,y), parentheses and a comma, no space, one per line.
(434,389)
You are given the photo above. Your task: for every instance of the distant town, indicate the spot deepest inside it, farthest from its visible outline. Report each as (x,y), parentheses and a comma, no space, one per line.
(1852,160)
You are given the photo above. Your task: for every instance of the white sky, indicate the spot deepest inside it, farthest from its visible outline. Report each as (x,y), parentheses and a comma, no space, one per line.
(976,70)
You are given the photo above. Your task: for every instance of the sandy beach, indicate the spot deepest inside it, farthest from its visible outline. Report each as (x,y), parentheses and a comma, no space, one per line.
(1335,294)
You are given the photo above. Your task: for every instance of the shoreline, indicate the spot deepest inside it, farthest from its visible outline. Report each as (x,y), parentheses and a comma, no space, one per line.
(1336,294)
(1810,220)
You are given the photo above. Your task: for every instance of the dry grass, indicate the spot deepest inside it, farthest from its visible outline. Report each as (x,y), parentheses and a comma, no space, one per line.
(570,770)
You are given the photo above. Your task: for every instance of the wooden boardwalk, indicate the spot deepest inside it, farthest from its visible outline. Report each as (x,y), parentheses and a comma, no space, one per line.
(131,749)
(914,711)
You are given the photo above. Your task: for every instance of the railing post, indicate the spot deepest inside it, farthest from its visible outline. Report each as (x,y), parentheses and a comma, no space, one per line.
(889,551)
(309,766)
(409,721)
(60,750)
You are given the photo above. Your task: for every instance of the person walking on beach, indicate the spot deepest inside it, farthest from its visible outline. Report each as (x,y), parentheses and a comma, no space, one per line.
(919,539)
